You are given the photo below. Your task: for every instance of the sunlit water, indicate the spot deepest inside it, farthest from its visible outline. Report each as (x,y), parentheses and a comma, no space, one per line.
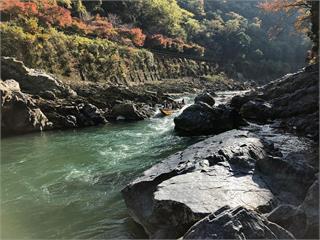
(67,184)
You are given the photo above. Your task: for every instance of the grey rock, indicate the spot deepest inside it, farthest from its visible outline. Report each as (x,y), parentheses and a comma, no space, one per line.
(182,189)
(256,110)
(294,99)
(19,113)
(130,112)
(310,206)
(236,223)
(200,118)
(205,98)
(33,81)
(291,218)
(303,220)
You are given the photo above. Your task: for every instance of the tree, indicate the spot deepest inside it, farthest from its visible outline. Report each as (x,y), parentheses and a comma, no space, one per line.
(307,12)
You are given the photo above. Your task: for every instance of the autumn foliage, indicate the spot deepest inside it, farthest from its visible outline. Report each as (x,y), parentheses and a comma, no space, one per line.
(47,12)
(160,42)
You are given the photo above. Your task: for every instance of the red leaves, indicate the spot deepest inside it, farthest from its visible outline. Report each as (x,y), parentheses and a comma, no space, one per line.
(15,7)
(47,12)
(134,34)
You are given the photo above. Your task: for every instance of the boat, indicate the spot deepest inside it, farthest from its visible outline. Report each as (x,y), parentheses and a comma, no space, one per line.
(166,111)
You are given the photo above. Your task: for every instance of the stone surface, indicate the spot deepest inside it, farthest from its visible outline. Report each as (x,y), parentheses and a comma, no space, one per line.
(290,218)
(310,206)
(293,98)
(257,110)
(236,223)
(200,118)
(303,220)
(130,111)
(33,81)
(187,186)
(19,113)
(205,98)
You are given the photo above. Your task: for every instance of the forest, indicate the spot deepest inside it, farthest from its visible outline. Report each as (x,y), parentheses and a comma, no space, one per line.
(247,40)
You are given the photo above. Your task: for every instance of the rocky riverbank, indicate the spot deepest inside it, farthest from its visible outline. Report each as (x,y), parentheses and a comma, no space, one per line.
(44,102)
(255,182)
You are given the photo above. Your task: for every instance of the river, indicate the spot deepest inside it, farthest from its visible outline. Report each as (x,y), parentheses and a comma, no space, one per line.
(66,184)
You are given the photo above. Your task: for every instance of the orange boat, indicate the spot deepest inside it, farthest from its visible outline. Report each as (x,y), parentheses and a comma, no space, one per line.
(166,112)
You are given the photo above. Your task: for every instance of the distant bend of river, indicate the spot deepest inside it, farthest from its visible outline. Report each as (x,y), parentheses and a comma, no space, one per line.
(66,184)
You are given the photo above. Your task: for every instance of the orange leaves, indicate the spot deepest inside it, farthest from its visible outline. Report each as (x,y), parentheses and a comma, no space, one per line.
(47,12)
(134,34)
(291,7)
(15,7)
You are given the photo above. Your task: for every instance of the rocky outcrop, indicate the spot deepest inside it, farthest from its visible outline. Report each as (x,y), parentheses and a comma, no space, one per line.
(19,113)
(174,194)
(33,81)
(294,99)
(202,119)
(237,223)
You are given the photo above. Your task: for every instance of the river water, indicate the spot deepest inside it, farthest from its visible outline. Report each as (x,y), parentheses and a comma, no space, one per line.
(66,184)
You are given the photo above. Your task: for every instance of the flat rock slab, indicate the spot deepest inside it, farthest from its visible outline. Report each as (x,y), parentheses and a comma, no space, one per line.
(182,189)
(206,192)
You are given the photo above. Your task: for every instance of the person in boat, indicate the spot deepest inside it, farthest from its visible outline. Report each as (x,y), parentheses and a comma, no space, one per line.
(182,102)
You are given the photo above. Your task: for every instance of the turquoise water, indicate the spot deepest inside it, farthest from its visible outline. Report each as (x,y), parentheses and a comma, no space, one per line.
(67,184)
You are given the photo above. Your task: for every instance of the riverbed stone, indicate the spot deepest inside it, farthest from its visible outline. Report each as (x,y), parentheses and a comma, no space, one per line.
(185,187)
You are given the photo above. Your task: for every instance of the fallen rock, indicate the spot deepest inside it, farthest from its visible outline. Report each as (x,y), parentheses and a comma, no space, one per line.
(33,81)
(205,98)
(174,194)
(200,118)
(237,223)
(19,113)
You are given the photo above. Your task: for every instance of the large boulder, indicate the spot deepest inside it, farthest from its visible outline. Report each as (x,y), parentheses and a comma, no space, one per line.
(19,113)
(236,223)
(187,186)
(33,81)
(200,118)
(205,98)
(130,112)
